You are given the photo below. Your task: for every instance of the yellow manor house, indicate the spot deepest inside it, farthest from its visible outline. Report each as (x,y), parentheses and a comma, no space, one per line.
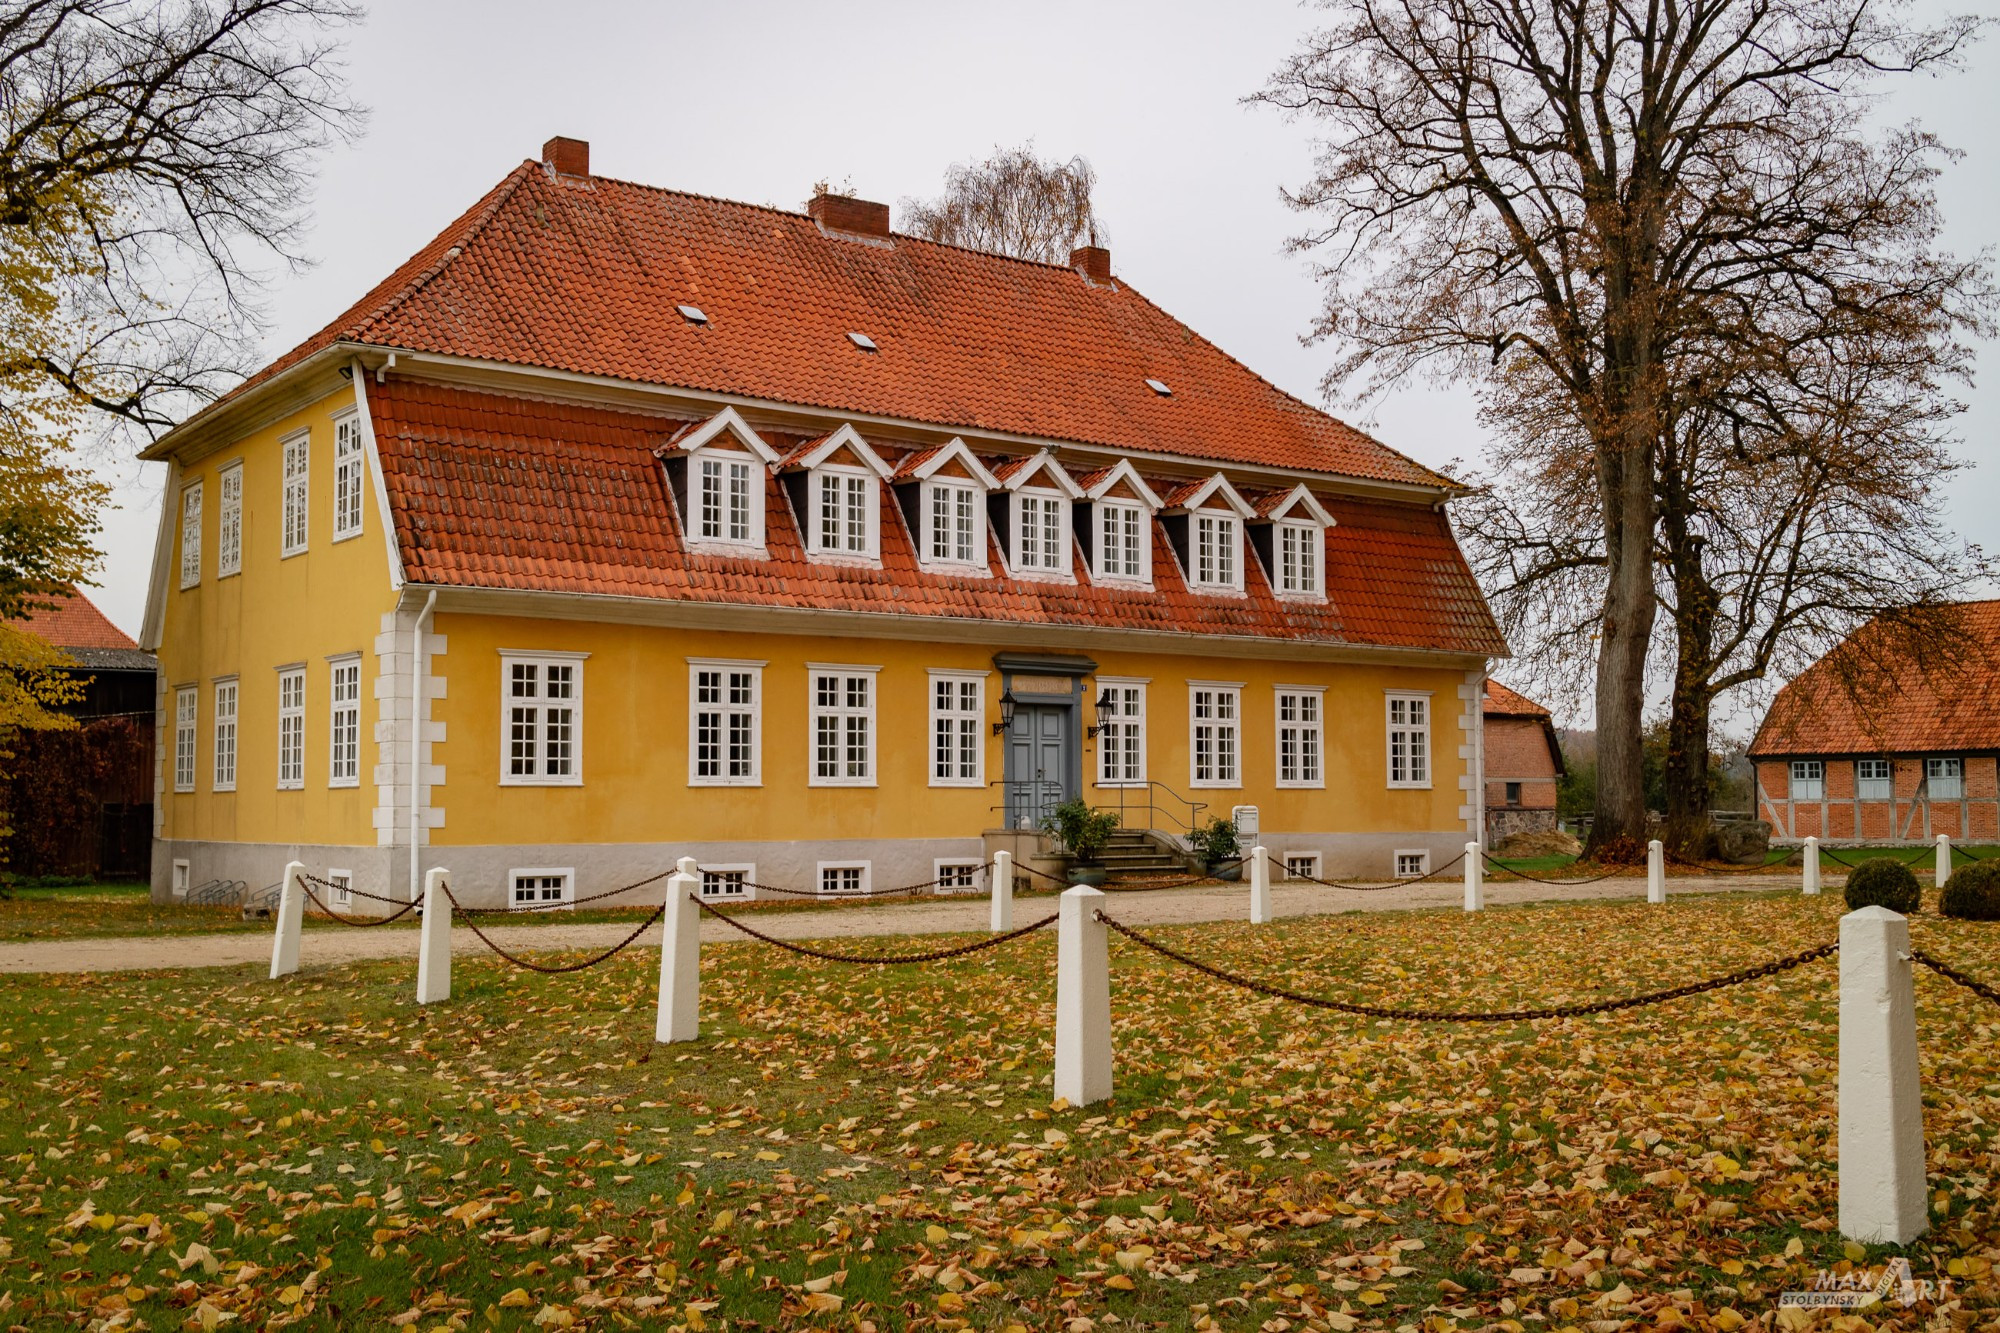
(621,525)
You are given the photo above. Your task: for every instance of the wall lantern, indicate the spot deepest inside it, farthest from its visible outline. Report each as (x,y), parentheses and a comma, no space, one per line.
(1104,702)
(1006,714)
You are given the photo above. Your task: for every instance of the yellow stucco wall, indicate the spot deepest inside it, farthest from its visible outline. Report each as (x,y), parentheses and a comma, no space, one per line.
(635,736)
(301,609)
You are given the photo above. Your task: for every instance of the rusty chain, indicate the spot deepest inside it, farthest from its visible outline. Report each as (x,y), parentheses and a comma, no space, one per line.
(858,893)
(358,922)
(1472,1016)
(1839,860)
(553,907)
(929,956)
(1950,973)
(546,970)
(1137,888)
(1377,888)
(1613,873)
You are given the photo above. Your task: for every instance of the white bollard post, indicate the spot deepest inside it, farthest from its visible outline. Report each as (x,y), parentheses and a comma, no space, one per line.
(291,916)
(434,950)
(1812,866)
(1883,1190)
(680,960)
(1475,879)
(1943,859)
(1083,999)
(688,865)
(1656,872)
(1260,885)
(1002,917)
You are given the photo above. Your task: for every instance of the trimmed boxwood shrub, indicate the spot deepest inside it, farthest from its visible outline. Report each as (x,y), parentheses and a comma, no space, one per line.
(1973,892)
(1883,882)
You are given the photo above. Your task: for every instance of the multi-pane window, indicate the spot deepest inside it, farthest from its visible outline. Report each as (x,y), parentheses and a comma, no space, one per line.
(1872,781)
(958,876)
(1808,780)
(726,881)
(725,500)
(849,878)
(1945,778)
(1301,738)
(958,716)
(341,892)
(543,740)
(1216,735)
(725,750)
(344,725)
(954,524)
(1299,547)
(1121,733)
(843,526)
(1302,865)
(191,535)
(1038,532)
(184,710)
(1215,551)
(225,735)
(298,460)
(843,726)
(292,728)
(1409,740)
(1121,541)
(229,521)
(540,888)
(1412,865)
(350,477)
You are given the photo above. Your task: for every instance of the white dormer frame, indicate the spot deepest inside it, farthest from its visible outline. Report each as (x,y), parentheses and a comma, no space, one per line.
(1107,511)
(1299,513)
(930,486)
(1217,504)
(814,462)
(1041,481)
(726,443)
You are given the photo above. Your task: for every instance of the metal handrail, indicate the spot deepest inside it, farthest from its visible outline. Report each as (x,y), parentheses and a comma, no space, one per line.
(1034,797)
(1126,807)
(217,893)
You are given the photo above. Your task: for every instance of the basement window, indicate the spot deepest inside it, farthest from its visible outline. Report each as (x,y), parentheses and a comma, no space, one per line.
(692,314)
(863,341)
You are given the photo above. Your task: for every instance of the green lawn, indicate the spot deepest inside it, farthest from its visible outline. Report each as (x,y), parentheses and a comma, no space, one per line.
(851,1147)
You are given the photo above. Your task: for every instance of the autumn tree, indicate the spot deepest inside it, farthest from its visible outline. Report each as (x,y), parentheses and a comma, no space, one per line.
(1013,203)
(1574,198)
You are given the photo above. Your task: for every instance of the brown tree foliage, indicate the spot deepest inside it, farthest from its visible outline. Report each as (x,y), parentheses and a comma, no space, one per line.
(1013,203)
(1575,198)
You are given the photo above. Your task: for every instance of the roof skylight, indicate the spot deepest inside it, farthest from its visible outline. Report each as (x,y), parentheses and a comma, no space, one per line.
(1159,387)
(863,341)
(692,314)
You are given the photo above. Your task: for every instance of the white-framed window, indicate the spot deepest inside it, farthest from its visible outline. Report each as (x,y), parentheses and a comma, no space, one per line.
(1300,546)
(1409,740)
(291,728)
(1302,865)
(1124,546)
(958,724)
(845,513)
(541,719)
(191,534)
(184,742)
(1121,732)
(1413,864)
(954,524)
(842,700)
(727,499)
(183,879)
(1216,734)
(225,735)
(545,887)
(297,482)
(343,768)
(958,876)
(1873,780)
(1945,778)
(1041,532)
(1808,780)
(1217,540)
(730,881)
(836,877)
(229,521)
(725,705)
(341,894)
(350,477)
(1301,736)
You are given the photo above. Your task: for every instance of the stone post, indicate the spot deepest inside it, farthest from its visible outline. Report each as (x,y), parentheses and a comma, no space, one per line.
(291,916)
(1260,885)
(434,949)
(1882,1186)
(1002,917)
(1812,867)
(1656,872)
(1083,999)
(1943,858)
(1475,879)
(680,960)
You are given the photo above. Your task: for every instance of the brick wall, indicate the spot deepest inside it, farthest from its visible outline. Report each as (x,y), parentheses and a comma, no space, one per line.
(1517,750)
(1909,816)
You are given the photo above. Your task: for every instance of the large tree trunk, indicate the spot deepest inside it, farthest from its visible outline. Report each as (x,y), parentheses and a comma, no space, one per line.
(1626,477)
(1687,830)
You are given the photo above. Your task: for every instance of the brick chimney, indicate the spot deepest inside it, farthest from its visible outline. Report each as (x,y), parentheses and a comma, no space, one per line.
(567,157)
(1093,262)
(856,217)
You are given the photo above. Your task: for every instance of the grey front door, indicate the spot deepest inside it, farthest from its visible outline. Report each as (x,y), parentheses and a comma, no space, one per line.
(1038,766)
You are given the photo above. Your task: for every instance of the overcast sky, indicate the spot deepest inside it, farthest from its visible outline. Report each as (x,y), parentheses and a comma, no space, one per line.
(756,101)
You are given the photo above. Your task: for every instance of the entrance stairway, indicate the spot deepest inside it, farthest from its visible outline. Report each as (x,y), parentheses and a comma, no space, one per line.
(1132,854)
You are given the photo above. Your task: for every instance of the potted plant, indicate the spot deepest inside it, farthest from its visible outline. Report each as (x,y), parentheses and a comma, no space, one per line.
(1084,833)
(1221,854)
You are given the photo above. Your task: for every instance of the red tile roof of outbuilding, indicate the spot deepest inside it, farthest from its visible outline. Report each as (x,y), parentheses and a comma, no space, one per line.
(1503,702)
(75,622)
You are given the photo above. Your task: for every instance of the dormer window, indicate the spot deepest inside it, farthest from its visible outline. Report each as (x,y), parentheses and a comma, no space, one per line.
(1290,537)
(1299,548)
(943,496)
(1038,537)
(1120,531)
(1204,521)
(725,504)
(717,468)
(1217,562)
(843,512)
(953,516)
(835,484)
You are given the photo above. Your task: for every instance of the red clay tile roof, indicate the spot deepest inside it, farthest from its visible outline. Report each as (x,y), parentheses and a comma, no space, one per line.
(1865,697)
(75,622)
(583,275)
(1503,702)
(505,492)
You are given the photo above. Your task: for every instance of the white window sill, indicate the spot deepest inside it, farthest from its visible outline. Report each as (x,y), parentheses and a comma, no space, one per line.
(970,784)
(229,789)
(955,569)
(840,782)
(722,782)
(1312,598)
(850,559)
(1039,575)
(1216,786)
(1133,784)
(190,587)
(1122,583)
(540,782)
(339,783)
(184,791)
(291,786)
(1216,590)
(1295,785)
(723,547)
(1409,786)
(222,574)
(287,555)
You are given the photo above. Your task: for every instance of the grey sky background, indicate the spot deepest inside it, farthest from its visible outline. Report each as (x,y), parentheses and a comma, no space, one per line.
(756,101)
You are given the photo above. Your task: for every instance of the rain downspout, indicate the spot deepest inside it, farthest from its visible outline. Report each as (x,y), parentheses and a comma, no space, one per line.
(417,735)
